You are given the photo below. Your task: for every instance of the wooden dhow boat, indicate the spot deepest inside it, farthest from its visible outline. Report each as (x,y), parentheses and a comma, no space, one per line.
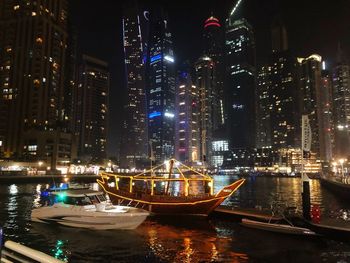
(170,188)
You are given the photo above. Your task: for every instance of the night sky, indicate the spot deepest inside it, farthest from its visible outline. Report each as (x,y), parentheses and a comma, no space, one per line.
(313,26)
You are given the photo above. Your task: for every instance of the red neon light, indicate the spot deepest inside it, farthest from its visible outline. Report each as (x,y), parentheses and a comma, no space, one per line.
(212,24)
(211,19)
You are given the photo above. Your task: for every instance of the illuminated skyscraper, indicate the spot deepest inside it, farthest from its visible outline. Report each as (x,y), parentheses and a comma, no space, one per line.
(310,91)
(327,144)
(161,89)
(33,63)
(316,93)
(278,102)
(187,125)
(285,103)
(214,48)
(134,126)
(92,108)
(240,83)
(206,84)
(263,122)
(341,100)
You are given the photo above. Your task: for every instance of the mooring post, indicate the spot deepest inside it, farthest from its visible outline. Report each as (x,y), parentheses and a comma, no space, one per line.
(306,198)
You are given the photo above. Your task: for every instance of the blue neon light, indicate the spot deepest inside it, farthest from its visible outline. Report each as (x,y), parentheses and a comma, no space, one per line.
(156,57)
(154,114)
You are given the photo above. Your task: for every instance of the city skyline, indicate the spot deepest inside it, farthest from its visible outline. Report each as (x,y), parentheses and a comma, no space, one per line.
(100,32)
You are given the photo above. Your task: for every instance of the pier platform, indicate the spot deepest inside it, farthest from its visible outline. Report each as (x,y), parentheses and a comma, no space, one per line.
(58,178)
(327,228)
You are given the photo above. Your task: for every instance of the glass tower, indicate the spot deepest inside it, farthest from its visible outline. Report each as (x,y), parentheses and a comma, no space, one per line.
(161,90)
(134,126)
(240,83)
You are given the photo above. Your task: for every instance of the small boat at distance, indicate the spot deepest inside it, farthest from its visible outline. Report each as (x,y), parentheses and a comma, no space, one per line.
(169,188)
(340,186)
(90,209)
(278,228)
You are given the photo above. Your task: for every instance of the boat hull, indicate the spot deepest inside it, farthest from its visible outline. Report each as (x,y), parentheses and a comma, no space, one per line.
(167,205)
(277,228)
(339,189)
(75,217)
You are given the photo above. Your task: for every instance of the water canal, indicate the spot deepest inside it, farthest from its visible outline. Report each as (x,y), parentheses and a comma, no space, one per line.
(181,239)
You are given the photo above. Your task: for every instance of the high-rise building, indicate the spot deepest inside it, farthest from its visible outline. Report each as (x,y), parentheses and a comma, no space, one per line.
(327,144)
(161,89)
(33,61)
(240,83)
(284,100)
(263,113)
(206,84)
(316,93)
(187,124)
(279,38)
(91,102)
(134,139)
(310,91)
(213,37)
(341,100)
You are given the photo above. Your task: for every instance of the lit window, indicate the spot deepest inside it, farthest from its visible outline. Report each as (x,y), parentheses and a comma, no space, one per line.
(16,7)
(32,148)
(33,13)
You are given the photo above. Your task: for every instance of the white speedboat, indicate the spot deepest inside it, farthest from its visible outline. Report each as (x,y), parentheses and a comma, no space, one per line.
(278,228)
(86,208)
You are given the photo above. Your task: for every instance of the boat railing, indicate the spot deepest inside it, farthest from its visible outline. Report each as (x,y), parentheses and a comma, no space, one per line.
(151,179)
(15,252)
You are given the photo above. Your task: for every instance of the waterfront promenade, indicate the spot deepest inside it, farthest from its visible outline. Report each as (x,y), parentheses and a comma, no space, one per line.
(48,178)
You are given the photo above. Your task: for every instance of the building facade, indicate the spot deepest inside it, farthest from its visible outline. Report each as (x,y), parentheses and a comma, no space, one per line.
(240,83)
(208,101)
(285,115)
(134,141)
(91,102)
(327,144)
(341,100)
(213,40)
(187,123)
(311,104)
(33,63)
(263,104)
(161,90)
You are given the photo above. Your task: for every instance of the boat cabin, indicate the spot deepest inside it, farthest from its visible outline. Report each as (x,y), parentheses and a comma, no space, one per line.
(79,197)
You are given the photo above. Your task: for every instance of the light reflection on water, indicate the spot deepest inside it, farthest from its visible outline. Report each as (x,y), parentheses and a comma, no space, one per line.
(174,239)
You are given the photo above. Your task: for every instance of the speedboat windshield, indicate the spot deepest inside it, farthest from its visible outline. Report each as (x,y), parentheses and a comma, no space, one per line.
(85,200)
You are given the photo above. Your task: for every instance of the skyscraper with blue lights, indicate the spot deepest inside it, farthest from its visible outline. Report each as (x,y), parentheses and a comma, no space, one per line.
(161,89)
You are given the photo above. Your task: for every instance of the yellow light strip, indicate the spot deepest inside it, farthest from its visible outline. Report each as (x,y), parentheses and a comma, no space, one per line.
(187,203)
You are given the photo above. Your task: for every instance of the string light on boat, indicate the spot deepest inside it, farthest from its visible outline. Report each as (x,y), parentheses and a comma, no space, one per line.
(111,184)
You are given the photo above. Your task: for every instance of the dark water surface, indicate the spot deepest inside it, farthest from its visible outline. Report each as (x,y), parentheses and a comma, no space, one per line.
(183,239)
